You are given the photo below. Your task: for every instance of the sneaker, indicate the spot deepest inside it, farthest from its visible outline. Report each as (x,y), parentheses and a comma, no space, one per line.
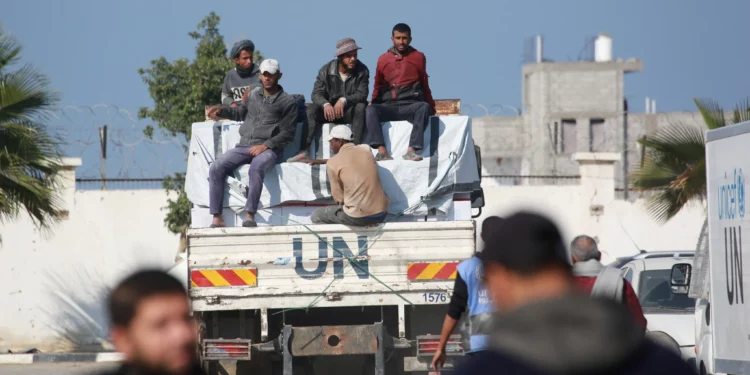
(299,158)
(249,223)
(381,157)
(411,155)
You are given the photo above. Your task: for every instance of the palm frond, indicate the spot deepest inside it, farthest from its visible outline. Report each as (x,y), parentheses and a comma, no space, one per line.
(712,113)
(9,50)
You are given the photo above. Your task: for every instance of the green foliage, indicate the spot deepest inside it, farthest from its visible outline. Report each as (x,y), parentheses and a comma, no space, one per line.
(674,164)
(29,157)
(181,89)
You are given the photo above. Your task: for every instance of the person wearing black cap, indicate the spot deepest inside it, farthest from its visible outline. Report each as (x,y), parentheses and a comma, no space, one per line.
(243,78)
(545,325)
(469,293)
(338,97)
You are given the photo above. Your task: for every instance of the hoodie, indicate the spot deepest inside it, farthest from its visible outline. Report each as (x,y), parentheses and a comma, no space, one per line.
(571,335)
(235,85)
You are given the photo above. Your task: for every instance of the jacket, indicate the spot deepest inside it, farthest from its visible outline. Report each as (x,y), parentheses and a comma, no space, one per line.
(329,87)
(268,120)
(402,77)
(126,369)
(234,85)
(585,276)
(573,334)
(478,301)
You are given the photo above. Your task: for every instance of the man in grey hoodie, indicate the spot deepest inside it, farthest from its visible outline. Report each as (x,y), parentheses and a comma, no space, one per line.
(544,325)
(243,78)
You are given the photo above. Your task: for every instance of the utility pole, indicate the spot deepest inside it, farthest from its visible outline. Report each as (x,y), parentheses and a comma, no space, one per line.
(103,142)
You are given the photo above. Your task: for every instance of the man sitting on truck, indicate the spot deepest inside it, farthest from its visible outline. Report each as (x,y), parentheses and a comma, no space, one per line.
(469,292)
(270,120)
(600,281)
(243,78)
(401,93)
(355,183)
(339,96)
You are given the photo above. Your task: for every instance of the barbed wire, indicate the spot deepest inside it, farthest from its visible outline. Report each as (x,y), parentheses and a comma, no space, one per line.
(130,153)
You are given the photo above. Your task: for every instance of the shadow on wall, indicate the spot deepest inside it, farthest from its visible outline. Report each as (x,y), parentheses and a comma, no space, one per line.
(75,307)
(76,311)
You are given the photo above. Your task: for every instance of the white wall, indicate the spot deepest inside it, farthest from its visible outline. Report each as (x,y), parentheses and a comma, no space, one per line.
(52,286)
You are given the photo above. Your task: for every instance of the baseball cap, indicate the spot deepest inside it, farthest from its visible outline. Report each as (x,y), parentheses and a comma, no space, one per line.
(341,132)
(270,66)
(525,243)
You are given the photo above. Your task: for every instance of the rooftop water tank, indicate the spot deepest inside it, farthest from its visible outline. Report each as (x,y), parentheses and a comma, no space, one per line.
(603,48)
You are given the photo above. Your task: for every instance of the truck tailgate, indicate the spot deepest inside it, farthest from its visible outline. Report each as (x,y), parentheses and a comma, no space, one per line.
(293,266)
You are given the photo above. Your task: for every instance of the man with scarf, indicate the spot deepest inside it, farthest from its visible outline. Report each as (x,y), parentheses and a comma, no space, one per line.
(401,93)
(243,78)
(599,281)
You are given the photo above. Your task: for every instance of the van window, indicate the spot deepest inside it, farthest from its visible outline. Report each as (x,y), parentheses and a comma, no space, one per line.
(629,275)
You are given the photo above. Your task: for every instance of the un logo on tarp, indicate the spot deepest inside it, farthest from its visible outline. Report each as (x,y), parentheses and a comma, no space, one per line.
(740,181)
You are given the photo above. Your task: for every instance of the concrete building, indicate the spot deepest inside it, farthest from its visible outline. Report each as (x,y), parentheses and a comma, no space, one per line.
(570,107)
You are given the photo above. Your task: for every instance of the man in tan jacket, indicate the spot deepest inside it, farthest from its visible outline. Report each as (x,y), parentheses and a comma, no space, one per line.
(355,183)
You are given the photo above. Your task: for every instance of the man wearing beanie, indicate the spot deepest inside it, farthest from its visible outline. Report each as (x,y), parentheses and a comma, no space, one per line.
(544,325)
(243,78)
(338,97)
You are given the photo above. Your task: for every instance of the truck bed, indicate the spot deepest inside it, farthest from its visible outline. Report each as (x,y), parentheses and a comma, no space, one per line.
(280,267)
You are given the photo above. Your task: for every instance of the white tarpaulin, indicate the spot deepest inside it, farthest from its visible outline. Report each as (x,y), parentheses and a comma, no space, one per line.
(449,166)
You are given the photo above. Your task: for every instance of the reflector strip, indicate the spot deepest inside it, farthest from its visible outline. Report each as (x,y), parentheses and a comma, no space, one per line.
(432,271)
(224,277)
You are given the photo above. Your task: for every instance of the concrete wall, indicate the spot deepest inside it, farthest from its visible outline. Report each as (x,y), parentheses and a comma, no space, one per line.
(52,285)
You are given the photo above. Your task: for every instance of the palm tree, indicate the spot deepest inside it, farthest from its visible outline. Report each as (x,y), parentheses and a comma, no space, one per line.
(29,157)
(674,164)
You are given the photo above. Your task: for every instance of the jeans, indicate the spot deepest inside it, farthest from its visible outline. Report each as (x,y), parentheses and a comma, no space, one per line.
(417,113)
(336,215)
(227,163)
(354,115)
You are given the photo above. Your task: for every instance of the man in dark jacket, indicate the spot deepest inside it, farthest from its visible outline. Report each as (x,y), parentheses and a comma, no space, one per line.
(339,96)
(593,278)
(243,78)
(401,93)
(152,327)
(270,116)
(544,325)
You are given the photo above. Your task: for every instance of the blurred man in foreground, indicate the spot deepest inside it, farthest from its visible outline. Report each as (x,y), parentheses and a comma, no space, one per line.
(152,326)
(602,282)
(469,293)
(545,327)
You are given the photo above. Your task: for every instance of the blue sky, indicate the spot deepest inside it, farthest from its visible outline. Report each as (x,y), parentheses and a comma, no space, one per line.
(91,50)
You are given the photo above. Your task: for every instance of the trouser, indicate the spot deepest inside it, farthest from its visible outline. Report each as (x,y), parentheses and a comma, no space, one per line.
(336,215)
(354,115)
(226,164)
(417,113)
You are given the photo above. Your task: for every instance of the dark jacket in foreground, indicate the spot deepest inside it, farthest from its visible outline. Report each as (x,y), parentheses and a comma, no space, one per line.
(269,120)
(329,87)
(572,335)
(129,370)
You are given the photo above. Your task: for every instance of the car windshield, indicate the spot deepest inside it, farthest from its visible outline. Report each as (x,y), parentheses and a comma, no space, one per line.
(655,293)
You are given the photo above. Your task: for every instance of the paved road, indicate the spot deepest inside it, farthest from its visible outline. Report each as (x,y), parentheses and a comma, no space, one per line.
(55,368)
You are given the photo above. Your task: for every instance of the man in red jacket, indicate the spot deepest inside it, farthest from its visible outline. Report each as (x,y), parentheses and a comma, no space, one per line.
(401,93)
(587,268)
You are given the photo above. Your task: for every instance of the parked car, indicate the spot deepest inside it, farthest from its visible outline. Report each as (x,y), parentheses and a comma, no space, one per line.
(619,262)
(670,316)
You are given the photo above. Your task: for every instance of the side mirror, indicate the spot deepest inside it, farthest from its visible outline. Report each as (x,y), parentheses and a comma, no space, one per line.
(680,278)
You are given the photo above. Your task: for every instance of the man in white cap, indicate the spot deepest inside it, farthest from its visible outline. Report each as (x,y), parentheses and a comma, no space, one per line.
(339,96)
(270,121)
(355,183)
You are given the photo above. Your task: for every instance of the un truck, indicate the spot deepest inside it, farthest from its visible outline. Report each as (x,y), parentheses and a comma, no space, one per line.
(722,316)
(293,297)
